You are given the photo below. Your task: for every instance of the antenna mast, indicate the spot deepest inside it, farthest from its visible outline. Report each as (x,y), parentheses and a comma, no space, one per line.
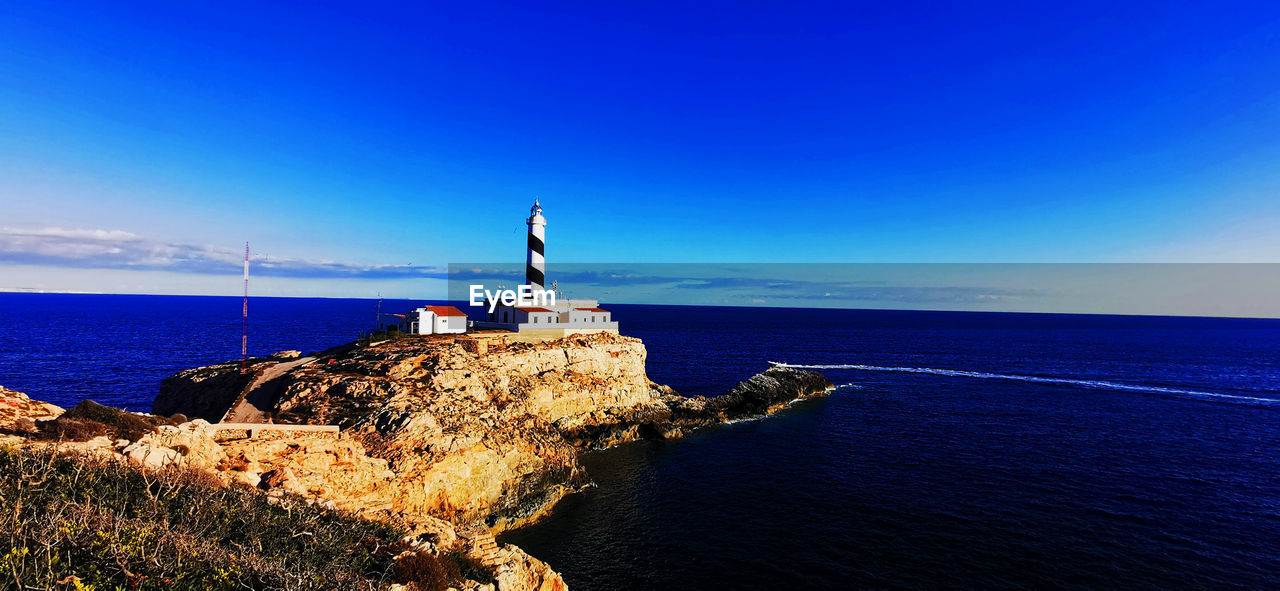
(244,316)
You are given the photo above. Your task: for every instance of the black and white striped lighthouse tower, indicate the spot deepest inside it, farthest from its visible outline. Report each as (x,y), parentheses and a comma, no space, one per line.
(535,270)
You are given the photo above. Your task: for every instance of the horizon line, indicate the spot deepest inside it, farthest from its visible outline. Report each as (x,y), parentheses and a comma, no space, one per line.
(6,290)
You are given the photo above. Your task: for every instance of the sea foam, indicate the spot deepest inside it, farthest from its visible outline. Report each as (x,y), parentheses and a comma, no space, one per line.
(1091,384)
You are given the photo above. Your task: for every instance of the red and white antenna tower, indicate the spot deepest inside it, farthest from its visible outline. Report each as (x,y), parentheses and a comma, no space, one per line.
(244,316)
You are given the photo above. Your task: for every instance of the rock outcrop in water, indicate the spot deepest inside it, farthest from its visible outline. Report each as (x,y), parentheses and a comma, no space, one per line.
(457,436)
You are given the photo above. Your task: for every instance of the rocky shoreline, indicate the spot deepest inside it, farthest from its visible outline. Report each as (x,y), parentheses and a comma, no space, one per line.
(458,437)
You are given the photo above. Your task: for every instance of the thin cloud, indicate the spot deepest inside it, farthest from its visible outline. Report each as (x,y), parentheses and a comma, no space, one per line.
(116,249)
(704,279)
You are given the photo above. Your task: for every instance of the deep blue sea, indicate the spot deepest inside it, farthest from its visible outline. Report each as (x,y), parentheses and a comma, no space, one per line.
(961,450)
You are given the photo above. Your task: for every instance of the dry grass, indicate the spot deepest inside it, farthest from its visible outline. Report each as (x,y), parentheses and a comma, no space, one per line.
(76,524)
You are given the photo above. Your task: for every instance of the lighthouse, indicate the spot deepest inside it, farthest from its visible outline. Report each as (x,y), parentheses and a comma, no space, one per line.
(546,318)
(535,271)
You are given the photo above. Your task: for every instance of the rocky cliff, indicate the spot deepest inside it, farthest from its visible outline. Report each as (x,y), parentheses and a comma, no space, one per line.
(479,428)
(454,437)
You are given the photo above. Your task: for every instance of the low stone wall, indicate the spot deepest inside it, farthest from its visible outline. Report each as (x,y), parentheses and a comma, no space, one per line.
(538,335)
(230,431)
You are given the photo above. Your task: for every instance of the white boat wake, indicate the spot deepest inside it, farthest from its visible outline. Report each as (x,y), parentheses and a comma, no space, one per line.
(1092,384)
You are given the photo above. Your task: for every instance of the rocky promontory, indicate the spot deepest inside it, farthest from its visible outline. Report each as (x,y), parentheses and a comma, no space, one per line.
(478,428)
(454,437)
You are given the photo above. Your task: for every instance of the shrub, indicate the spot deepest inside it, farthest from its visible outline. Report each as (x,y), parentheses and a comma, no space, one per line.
(64,429)
(427,572)
(120,424)
(79,523)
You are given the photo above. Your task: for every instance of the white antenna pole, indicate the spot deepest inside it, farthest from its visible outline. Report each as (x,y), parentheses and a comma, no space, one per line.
(244,316)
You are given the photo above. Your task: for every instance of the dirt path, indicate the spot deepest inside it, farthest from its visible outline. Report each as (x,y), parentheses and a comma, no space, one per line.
(261,394)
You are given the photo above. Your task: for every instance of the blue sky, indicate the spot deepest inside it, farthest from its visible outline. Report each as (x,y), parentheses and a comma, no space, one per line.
(142,143)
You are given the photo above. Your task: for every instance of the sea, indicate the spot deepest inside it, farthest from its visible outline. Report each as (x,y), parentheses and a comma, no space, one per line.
(959,450)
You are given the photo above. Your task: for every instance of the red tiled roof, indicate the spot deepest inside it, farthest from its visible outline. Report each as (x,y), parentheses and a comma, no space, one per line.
(446,311)
(592,310)
(534,309)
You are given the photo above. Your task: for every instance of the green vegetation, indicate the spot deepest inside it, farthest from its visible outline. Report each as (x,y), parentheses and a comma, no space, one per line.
(89,419)
(75,523)
(376,337)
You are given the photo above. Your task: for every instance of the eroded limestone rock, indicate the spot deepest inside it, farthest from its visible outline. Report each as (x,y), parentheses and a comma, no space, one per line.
(18,412)
(449,431)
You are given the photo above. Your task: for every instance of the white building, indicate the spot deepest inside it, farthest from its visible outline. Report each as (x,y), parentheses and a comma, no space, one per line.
(437,320)
(584,316)
(535,316)
(563,318)
(568,316)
